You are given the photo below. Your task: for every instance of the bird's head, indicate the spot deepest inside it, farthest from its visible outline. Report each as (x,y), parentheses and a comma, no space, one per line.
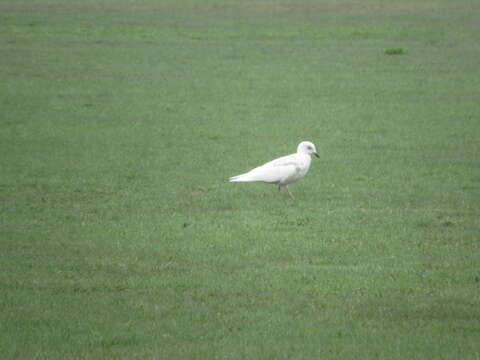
(306,147)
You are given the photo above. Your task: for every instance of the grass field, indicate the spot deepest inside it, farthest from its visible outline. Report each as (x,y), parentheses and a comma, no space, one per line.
(121,121)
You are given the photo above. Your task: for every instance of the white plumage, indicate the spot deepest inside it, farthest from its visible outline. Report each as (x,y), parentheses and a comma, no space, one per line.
(284,170)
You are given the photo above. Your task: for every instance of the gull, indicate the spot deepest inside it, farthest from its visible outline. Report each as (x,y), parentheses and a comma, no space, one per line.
(284,170)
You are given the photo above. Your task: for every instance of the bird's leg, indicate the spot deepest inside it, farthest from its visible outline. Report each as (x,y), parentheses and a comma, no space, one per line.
(280,188)
(289,193)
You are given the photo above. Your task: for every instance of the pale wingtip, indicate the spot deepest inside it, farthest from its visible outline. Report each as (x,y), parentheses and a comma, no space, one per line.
(238,178)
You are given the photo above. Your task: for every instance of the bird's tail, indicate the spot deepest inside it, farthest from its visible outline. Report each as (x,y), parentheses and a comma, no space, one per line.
(242,178)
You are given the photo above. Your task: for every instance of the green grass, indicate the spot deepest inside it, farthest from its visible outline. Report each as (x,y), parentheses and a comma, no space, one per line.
(395,51)
(121,122)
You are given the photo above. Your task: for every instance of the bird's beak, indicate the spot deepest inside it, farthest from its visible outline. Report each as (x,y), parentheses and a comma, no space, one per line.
(316,154)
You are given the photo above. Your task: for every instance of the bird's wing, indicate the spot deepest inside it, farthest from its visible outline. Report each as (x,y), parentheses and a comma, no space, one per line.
(271,172)
(287,160)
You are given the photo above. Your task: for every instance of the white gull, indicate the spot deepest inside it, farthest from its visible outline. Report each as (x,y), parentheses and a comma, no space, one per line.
(284,170)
